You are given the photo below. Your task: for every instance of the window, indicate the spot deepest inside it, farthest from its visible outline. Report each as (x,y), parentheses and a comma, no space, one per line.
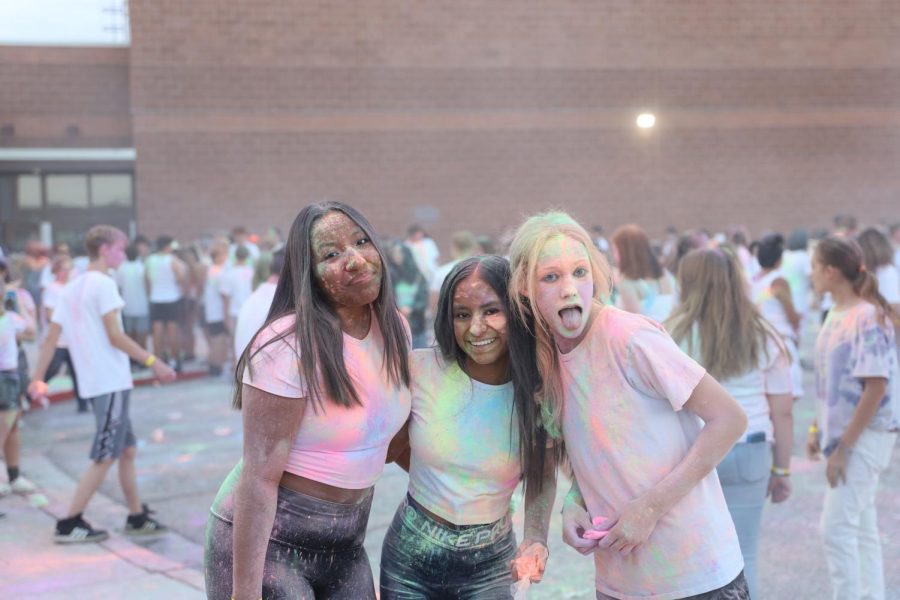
(110,190)
(67,191)
(29,192)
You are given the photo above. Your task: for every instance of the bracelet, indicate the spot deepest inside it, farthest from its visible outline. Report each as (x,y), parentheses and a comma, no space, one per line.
(779,472)
(150,360)
(813,429)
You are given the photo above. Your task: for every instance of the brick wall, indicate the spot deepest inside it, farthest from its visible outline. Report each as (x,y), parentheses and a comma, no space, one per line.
(46,90)
(469,113)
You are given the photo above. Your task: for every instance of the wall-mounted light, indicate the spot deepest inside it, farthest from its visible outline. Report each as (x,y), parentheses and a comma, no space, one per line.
(646,120)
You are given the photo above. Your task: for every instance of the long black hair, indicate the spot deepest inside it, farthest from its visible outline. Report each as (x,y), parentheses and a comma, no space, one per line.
(319,342)
(495,271)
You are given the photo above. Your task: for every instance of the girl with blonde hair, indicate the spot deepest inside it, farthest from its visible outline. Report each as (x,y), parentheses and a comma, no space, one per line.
(858,412)
(630,407)
(716,323)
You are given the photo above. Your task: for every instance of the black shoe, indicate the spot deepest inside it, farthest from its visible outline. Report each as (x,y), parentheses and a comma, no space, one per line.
(76,530)
(143,524)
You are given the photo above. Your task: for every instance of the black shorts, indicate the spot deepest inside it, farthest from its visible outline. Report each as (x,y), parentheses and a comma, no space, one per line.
(9,391)
(216,328)
(165,311)
(114,433)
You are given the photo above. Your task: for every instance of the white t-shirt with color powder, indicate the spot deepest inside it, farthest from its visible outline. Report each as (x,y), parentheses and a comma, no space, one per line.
(625,386)
(464,464)
(853,345)
(772,375)
(10,325)
(237,284)
(102,369)
(213,306)
(252,315)
(343,447)
(50,299)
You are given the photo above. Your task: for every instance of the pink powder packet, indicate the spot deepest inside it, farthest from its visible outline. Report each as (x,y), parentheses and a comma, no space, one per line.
(596,534)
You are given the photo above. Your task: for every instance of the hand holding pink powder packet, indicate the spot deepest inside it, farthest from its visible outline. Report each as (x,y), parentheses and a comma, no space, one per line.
(596,534)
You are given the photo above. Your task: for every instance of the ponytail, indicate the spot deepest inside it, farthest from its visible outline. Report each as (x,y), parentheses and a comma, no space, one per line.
(847,257)
(865,285)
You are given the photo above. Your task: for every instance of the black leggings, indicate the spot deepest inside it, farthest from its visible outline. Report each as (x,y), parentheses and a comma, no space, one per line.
(315,550)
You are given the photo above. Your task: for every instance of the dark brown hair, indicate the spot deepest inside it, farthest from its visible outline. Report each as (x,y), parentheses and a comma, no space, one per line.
(877,250)
(847,257)
(319,342)
(636,257)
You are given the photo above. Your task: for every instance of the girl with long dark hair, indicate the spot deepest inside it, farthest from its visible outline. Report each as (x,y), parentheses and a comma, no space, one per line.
(473,435)
(323,387)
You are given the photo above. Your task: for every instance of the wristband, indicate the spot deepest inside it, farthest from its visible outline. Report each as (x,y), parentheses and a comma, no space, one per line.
(813,429)
(150,360)
(779,472)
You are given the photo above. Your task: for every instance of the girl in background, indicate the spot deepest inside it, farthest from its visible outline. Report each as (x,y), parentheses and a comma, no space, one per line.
(472,436)
(717,325)
(858,414)
(772,294)
(410,290)
(631,407)
(643,285)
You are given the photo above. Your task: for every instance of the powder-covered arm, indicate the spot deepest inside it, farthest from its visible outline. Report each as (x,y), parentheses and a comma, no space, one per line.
(532,554)
(725,421)
(270,425)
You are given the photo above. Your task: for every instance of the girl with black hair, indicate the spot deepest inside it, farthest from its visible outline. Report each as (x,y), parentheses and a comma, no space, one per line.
(410,290)
(772,294)
(324,388)
(471,436)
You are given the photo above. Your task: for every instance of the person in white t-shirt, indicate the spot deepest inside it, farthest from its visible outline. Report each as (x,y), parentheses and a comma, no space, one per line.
(214,309)
(424,250)
(717,325)
(256,308)
(644,427)
(240,237)
(62,266)
(89,312)
(879,260)
(236,285)
(13,329)
(131,277)
(166,276)
(464,450)
(463,245)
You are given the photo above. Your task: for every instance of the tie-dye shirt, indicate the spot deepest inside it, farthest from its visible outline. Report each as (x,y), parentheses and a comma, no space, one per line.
(465,460)
(343,447)
(625,386)
(851,346)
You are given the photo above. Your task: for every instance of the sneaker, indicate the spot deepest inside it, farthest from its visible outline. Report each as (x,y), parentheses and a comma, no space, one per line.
(20,485)
(143,524)
(76,530)
(5,489)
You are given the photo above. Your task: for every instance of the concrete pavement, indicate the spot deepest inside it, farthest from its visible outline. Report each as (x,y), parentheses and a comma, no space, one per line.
(190,438)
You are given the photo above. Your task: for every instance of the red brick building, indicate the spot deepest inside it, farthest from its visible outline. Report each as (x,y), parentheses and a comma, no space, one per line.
(468,114)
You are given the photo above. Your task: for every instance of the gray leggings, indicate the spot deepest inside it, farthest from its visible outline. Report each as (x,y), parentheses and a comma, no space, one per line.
(315,550)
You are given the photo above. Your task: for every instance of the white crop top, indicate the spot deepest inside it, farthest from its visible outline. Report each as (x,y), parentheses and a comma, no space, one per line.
(338,446)
(465,462)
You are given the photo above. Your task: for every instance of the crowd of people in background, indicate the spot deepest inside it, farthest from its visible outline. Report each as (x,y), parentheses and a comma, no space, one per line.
(738,306)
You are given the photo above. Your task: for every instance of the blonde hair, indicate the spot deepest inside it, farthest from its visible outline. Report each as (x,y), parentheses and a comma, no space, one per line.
(525,249)
(713,296)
